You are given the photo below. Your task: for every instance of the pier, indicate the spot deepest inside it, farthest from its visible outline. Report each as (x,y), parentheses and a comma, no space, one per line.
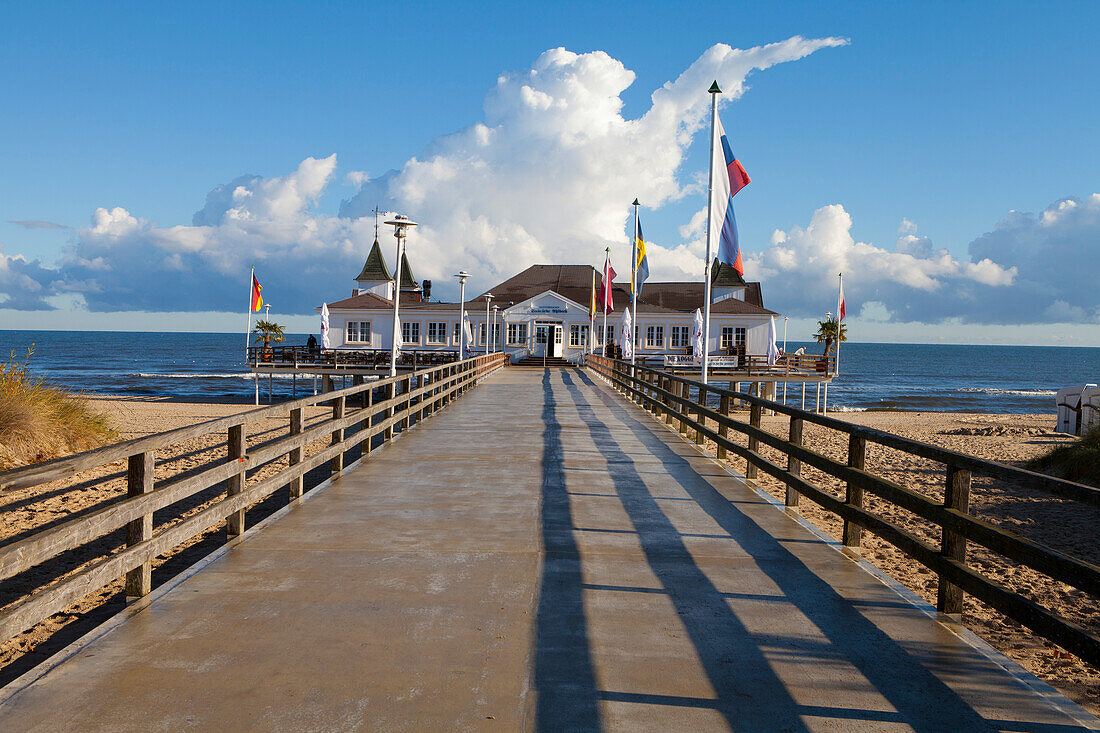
(527,549)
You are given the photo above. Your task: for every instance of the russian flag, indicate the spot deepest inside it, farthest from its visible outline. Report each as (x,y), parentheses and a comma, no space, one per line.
(723,223)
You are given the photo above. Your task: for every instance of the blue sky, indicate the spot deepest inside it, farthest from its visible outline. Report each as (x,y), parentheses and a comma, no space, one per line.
(934,121)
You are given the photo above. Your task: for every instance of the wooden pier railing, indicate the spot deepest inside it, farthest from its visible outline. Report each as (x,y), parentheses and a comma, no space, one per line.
(366,414)
(688,404)
(303,356)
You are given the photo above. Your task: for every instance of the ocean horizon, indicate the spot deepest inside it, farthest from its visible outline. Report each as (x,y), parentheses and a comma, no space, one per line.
(196,366)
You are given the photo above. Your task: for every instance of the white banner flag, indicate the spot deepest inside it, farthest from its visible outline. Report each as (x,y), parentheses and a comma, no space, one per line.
(467,329)
(324,327)
(626,337)
(697,336)
(773,348)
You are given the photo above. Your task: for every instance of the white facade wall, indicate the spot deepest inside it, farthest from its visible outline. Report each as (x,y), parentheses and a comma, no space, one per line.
(547,309)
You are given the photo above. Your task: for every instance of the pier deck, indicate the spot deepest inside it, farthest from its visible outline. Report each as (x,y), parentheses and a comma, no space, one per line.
(540,554)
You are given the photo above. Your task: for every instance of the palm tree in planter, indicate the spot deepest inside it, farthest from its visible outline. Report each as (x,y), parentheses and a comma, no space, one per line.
(269,333)
(830,332)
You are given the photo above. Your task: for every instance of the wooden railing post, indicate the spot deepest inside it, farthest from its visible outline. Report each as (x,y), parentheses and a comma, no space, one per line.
(949,598)
(408,403)
(139,480)
(234,525)
(670,406)
(794,465)
(723,429)
(853,494)
(702,394)
(391,394)
(295,453)
(681,408)
(357,380)
(337,462)
(754,442)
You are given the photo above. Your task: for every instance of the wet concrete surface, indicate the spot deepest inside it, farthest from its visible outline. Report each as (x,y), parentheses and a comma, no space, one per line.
(539,555)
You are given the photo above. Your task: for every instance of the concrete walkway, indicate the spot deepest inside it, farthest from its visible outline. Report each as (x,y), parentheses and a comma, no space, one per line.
(539,555)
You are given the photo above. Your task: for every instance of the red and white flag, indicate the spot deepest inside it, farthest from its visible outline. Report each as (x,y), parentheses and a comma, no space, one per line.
(840,301)
(606,298)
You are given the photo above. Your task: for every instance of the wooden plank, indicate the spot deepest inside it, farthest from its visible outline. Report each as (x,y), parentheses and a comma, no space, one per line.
(139,481)
(853,496)
(949,597)
(235,448)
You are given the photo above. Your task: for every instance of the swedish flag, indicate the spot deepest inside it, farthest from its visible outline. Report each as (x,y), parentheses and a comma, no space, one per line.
(641,268)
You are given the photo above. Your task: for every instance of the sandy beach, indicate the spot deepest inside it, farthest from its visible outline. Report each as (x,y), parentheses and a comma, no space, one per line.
(1005,438)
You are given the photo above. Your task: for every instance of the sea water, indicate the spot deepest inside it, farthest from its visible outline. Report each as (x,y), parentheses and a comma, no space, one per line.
(913,377)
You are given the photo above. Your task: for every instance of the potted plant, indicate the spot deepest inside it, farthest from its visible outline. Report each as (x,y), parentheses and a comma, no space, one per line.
(829,332)
(267,333)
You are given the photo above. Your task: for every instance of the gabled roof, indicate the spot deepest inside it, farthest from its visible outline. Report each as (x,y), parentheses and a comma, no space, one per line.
(571,281)
(408,282)
(574,282)
(370,301)
(374,269)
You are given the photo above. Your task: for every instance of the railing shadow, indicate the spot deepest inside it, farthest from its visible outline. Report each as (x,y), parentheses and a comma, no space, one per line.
(564,676)
(920,698)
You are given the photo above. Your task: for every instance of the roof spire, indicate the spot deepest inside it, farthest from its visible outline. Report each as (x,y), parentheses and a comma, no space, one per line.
(376,222)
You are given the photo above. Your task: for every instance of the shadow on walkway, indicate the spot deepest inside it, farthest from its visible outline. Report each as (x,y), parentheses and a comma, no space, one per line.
(733,658)
(564,677)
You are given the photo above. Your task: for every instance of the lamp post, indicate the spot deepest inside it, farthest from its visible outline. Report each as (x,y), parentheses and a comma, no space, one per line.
(401,225)
(488,299)
(497,345)
(462,276)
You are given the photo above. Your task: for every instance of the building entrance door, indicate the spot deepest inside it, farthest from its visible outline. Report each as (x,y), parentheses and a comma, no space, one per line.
(541,339)
(557,346)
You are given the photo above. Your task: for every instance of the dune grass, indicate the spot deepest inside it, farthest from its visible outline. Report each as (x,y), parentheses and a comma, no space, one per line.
(39,422)
(1078,461)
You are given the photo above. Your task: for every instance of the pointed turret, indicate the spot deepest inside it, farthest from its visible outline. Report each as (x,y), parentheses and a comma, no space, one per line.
(375,276)
(374,269)
(725,282)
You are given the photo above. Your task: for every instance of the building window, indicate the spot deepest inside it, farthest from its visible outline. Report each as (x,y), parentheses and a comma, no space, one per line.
(578,335)
(732,337)
(410,332)
(357,332)
(609,335)
(517,334)
(457,331)
(540,334)
(437,333)
(481,333)
(655,337)
(680,337)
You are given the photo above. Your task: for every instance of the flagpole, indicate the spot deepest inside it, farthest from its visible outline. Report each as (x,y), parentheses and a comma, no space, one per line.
(714,91)
(839,302)
(248,328)
(637,328)
(606,292)
(592,316)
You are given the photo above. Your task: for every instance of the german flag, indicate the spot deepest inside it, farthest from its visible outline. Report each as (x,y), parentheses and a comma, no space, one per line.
(257,299)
